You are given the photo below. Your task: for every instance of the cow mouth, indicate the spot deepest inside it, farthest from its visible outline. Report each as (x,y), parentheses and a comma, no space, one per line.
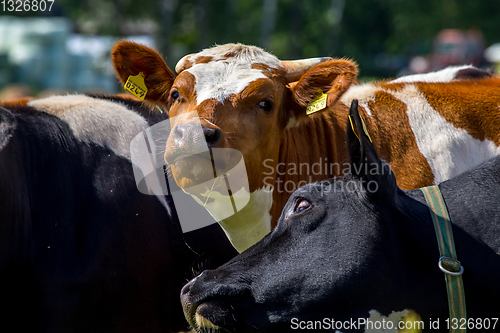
(208,317)
(190,170)
(178,157)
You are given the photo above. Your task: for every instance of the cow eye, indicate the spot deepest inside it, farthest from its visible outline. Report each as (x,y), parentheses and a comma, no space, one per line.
(266,105)
(174,96)
(302,205)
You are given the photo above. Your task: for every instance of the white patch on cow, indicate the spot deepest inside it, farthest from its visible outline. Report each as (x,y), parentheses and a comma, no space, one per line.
(364,93)
(219,205)
(444,75)
(450,151)
(105,123)
(291,122)
(240,232)
(391,321)
(245,53)
(223,76)
(219,80)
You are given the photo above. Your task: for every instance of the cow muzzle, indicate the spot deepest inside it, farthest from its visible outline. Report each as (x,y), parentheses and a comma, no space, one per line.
(208,305)
(190,308)
(189,139)
(188,151)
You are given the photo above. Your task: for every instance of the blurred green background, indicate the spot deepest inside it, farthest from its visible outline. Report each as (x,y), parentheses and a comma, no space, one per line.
(67,48)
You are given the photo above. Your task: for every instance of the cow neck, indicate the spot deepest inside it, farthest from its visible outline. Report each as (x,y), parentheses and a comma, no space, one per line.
(243,234)
(311,151)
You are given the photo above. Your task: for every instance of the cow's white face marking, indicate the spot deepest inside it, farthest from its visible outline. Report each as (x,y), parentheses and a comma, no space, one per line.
(223,75)
(223,71)
(450,151)
(444,75)
(105,123)
(219,80)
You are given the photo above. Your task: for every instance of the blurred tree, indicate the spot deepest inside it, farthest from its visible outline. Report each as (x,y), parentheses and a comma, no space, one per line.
(268,22)
(360,30)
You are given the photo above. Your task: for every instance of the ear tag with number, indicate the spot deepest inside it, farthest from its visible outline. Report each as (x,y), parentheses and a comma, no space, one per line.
(317,104)
(135,84)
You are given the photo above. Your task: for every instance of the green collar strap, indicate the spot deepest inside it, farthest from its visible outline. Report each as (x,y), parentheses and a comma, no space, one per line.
(448,262)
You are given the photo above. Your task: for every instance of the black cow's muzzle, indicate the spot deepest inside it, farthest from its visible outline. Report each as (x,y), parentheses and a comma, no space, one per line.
(208,305)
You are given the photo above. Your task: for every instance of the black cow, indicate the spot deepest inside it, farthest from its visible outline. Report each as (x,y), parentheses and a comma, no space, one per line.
(347,246)
(81,250)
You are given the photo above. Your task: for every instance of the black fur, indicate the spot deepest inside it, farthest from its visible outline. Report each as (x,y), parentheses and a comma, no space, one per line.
(356,249)
(81,250)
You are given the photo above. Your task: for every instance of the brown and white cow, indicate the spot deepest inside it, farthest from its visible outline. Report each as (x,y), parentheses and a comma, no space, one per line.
(244,99)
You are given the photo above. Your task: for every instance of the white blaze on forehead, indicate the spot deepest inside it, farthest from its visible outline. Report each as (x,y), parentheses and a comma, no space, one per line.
(242,52)
(450,151)
(223,76)
(108,124)
(219,80)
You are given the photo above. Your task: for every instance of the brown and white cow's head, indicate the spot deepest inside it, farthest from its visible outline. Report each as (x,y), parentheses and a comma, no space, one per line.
(241,95)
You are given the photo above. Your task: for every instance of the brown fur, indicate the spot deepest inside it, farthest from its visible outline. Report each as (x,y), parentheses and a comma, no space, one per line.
(16,102)
(465,107)
(203,60)
(333,77)
(394,140)
(131,58)
(321,139)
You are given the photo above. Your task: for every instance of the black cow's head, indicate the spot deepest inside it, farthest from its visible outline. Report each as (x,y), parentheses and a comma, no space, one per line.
(341,248)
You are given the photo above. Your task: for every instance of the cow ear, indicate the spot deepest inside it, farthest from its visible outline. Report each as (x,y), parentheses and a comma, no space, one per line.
(331,77)
(130,58)
(376,175)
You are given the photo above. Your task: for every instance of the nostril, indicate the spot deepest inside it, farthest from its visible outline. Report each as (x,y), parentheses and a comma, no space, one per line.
(212,135)
(178,132)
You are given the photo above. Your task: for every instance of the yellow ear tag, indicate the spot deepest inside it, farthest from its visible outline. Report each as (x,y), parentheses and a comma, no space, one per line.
(317,104)
(135,84)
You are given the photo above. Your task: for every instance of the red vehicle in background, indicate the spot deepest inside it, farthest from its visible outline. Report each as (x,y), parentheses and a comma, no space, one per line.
(451,47)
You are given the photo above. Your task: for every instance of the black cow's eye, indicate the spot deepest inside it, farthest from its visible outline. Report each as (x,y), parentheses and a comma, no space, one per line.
(302,205)
(266,105)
